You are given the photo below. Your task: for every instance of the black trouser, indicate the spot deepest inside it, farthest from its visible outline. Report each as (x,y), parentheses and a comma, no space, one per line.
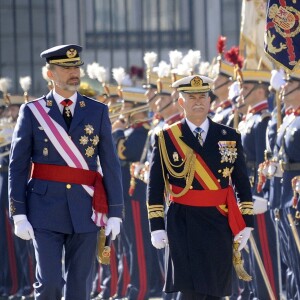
(191,295)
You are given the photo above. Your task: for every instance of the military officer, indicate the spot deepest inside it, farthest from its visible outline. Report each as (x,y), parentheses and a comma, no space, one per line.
(287,147)
(58,142)
(222,82)
(166,104)
(196,170)
(17,261)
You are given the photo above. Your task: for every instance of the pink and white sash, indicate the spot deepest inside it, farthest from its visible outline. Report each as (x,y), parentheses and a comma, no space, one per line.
(65,147)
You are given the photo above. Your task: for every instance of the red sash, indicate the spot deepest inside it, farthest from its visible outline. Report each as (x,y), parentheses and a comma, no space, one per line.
(76,176)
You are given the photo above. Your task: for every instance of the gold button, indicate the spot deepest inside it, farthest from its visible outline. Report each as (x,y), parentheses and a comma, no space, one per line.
(219,180)
(191,187)
(68,186)
(46,140)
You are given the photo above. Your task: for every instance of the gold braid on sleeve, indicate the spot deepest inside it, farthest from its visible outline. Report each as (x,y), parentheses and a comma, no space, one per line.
(188,164)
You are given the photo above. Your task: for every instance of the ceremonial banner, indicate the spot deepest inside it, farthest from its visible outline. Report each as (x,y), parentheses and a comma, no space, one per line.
(253,20)
(282,40)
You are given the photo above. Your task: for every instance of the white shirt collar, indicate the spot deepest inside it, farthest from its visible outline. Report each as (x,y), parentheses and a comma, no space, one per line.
(58,98)
(204,126)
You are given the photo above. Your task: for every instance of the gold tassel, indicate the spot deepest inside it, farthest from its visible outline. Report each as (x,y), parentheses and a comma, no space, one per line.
(103,251)
(238,264)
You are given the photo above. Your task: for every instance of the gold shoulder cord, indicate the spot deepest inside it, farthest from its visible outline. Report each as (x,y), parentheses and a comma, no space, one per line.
(188,170)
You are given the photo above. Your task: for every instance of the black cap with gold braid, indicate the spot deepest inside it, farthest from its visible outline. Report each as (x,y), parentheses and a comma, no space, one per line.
(63,55)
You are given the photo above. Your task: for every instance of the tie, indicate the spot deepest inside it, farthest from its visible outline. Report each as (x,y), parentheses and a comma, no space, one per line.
(67,112)
(198,132)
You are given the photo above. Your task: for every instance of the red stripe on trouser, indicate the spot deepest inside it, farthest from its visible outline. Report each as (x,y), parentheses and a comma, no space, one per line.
(140,250)
(113,271)
(267,260)
(98,288)
(126,276)
(11,256)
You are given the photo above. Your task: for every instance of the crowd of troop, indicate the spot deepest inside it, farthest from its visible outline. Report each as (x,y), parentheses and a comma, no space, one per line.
(201,170)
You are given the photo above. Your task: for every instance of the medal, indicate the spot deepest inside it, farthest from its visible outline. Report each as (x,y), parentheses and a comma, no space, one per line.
(95,140)
(89,151)
(83,140)
(89,129)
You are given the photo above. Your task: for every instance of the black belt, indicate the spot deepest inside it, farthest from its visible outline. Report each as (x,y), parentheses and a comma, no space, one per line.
(290,166)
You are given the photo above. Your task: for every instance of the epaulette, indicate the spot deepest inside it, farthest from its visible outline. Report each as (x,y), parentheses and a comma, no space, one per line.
(38,99)
(94,100)
(146,126)
(264,114)
(158,131)
(174,124)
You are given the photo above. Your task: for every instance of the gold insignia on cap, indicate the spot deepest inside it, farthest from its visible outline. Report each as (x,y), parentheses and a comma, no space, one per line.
(71,53)
(89,151)
(82,104)
(196,81)
(89,129)
(83,140)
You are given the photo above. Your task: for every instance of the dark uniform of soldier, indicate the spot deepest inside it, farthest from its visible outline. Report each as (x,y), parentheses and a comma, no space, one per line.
(287,147)
(16,260)
(58,142)
(130,135)
(255,92)
(196,171)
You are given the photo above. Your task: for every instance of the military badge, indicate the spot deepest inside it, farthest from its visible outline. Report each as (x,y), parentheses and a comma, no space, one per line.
(89,151)
(89,129)
(82,104)
(83,140)
(71,53)
(175,156)
(224,132)
(196,82)
(227,172)
(95,140)
(49,103)
(228,151)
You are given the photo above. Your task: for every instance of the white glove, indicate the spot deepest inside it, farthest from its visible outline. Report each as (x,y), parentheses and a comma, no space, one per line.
(234,90)
(242,237)
(260,205)
(113,226)
(274,169)
(159,239)
(23,228)
(277,79)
